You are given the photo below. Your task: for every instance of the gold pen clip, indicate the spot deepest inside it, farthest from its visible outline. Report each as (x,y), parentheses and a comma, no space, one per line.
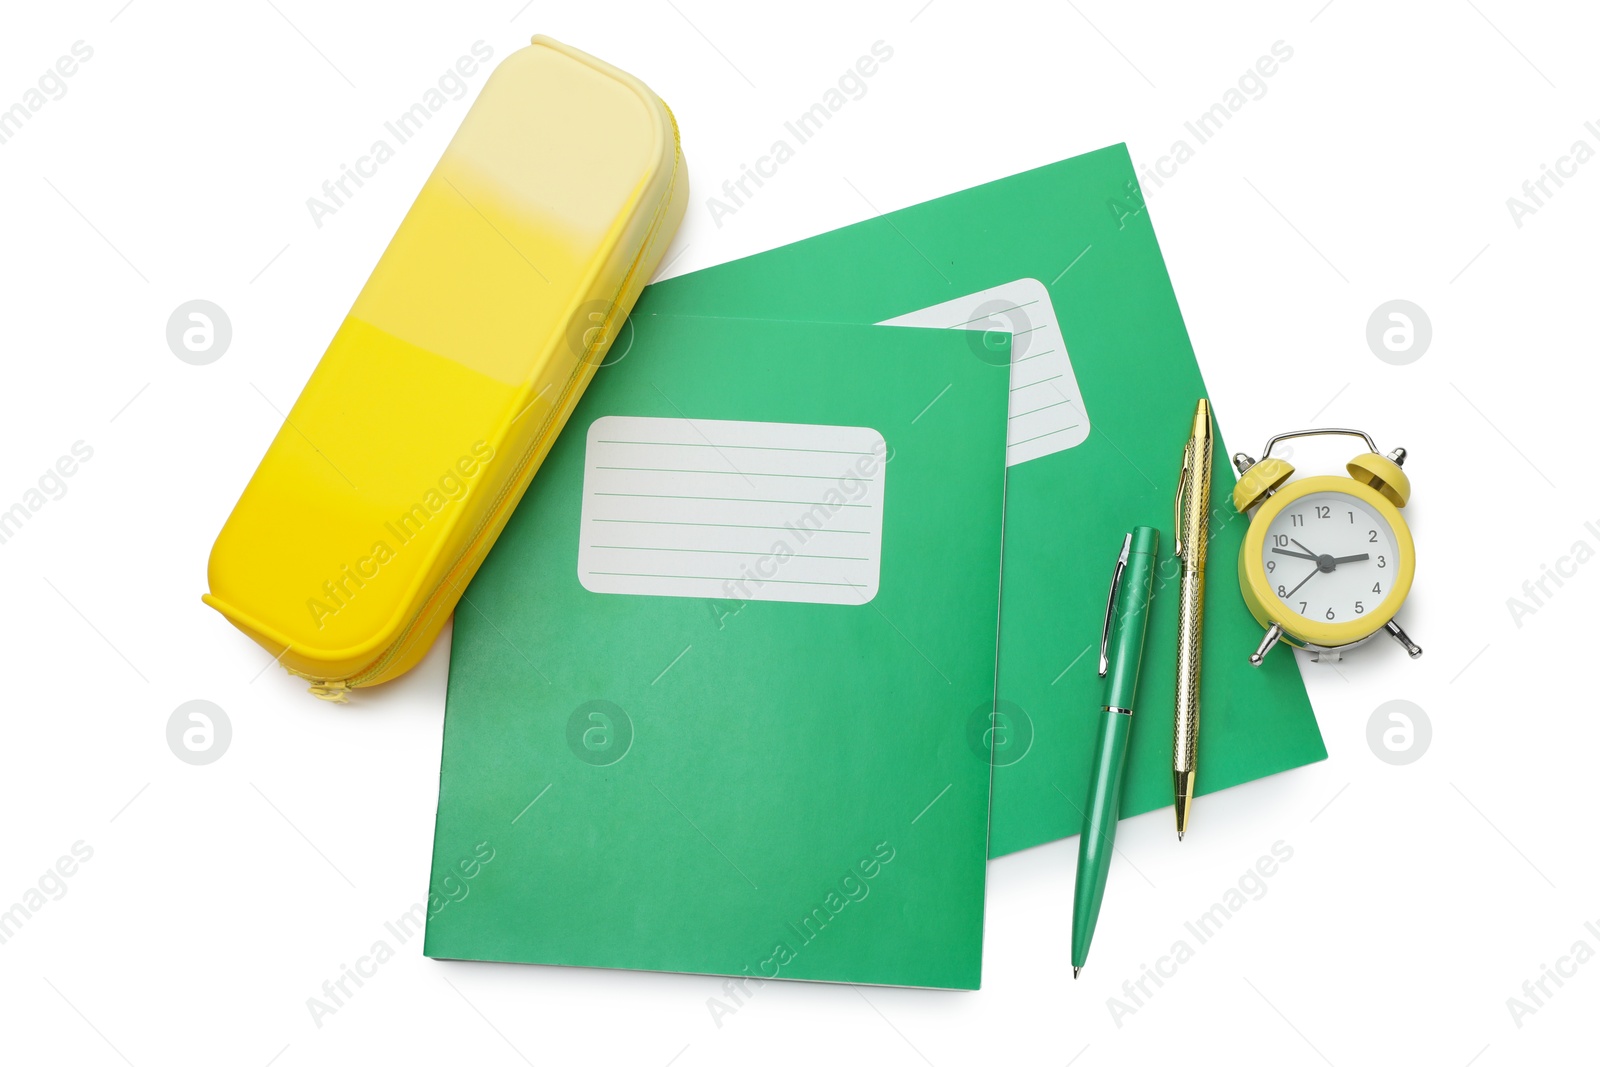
(1185,475)
(1111,602)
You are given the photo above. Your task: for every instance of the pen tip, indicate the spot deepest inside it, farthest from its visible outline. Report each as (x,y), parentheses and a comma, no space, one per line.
(1180,835)
(1075,971)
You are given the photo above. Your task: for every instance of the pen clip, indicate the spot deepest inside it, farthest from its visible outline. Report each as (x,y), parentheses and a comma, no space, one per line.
(1111,602)
(1185,474)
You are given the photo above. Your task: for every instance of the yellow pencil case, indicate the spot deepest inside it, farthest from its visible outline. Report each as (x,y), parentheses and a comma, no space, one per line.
(445,386)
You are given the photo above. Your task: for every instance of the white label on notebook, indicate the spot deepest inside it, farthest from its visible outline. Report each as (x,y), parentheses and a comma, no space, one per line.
(732,510)
(1047,411)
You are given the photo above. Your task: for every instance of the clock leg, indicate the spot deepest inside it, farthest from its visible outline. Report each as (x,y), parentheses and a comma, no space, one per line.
(1400,635)
(1273,633)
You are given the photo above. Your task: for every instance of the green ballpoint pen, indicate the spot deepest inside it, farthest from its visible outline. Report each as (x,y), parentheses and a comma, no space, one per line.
(1121,648)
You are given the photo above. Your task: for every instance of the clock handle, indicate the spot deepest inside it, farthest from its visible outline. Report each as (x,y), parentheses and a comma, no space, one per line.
(1333,431)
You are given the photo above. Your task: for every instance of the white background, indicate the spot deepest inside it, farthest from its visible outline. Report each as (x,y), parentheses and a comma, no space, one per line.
(1377,166)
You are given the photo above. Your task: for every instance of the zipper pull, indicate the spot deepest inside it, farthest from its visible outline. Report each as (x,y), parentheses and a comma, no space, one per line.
(337,692)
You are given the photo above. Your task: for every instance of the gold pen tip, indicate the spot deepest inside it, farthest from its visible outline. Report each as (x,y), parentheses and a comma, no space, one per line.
(1202,418)
(1180,835)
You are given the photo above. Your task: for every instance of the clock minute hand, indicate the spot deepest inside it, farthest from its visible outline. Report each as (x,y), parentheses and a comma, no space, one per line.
(1296,555)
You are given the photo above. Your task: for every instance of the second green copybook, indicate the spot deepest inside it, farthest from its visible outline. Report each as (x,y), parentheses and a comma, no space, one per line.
(1103,389)
(717,694)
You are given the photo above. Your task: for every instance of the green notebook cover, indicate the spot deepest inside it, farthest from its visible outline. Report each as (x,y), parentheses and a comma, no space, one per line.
(716,694)
(1104,384)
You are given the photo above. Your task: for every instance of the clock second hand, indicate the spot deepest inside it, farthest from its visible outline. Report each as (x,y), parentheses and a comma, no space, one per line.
(1315,568)
(1303,581)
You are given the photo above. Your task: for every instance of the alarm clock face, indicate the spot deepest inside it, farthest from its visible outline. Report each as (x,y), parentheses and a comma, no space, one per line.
(1330,557)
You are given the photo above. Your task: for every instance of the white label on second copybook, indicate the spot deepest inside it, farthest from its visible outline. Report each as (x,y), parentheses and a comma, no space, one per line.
(732,510)
(1047,411)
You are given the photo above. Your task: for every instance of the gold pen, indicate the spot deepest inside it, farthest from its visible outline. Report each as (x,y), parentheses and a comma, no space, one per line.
(1189,514)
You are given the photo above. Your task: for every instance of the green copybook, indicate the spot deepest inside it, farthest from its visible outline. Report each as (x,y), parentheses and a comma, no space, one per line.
(717,694)
(1104,384)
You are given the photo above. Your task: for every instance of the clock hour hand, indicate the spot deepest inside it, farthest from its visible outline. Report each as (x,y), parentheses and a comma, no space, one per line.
(1326,563)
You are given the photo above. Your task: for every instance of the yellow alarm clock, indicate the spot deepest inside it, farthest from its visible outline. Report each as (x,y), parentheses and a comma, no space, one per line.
(1327,560)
